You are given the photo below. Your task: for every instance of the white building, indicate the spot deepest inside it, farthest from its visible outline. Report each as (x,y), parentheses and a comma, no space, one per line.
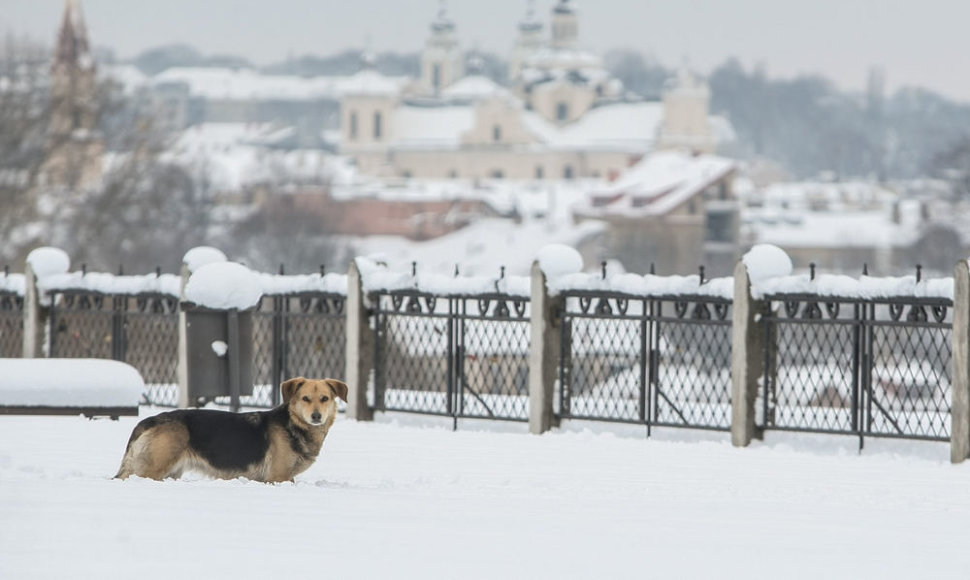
(563,115)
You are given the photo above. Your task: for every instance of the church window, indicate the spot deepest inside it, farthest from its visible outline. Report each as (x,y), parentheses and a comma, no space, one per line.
(378,125)
(436,76)
(353,125)
(562,111)
(497,133)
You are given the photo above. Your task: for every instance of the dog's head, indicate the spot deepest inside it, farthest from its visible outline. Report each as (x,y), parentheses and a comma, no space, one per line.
(313,401)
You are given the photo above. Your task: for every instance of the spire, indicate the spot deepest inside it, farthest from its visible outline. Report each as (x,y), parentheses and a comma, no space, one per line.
(564,7)
(565,25)
(73,48)
(530,23)
(442,22)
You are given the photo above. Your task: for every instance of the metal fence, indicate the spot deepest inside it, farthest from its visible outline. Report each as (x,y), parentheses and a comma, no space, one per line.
(141,330)
(300,334)
(454,356)
(11,325)
(655,361)
(295,334)
(869,368)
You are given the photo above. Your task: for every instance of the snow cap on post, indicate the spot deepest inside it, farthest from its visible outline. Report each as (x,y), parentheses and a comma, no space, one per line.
(202,255)
(559,260)
(47,261)
(224,286)
(766,261)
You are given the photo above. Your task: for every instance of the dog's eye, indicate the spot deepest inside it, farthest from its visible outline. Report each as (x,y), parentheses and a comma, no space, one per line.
(324,399)
(307,399)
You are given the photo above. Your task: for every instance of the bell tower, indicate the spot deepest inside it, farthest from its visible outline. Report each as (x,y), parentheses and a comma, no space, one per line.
(442,61)
(74,145)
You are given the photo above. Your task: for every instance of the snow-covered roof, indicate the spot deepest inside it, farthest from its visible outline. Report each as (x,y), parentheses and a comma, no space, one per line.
(369,82)
(657,184)
(832,229)
(244,84)
(431,127)
(233,155)
(626,126)
(474,88)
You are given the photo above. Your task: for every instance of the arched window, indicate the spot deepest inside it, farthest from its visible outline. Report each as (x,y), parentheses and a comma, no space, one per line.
(562,111)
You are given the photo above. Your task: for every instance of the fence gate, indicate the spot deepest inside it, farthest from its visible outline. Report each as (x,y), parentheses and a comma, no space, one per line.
(141,330)
(454,356)
(655,361)
(298,334)
(869,368)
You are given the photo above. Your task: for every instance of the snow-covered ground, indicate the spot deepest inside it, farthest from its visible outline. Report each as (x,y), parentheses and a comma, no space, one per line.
(408,498)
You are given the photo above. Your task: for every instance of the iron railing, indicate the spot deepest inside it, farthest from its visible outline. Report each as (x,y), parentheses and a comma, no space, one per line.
(456,356)
(11,325)
(141,330)
(298,334)
(655,361)
(868,368)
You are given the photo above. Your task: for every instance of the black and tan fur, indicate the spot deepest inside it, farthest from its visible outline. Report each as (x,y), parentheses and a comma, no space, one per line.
(272,446)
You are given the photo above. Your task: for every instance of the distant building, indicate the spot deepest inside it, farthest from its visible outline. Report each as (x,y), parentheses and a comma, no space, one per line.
(671,212)
(559,115)
(563,116)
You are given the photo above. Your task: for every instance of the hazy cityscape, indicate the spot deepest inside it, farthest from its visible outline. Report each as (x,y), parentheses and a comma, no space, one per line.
(448,138)
(584,289)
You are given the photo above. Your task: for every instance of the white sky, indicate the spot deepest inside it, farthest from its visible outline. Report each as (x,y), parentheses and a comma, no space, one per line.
(915,42)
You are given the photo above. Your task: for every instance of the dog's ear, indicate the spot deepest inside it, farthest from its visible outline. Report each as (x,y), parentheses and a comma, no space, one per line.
(290,387)
(339,388)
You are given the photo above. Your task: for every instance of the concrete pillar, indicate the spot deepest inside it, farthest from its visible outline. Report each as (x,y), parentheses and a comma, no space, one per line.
(183,352)
(543,353)
(747,358)
(361,341)
(35,318)
(960,409)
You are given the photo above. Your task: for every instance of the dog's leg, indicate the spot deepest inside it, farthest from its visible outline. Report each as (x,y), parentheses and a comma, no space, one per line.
(157,454)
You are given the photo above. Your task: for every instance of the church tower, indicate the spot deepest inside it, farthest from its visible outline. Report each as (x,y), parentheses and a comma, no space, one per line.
(528,42)
(565,25)
(686,123)
(441,62)
(75,149)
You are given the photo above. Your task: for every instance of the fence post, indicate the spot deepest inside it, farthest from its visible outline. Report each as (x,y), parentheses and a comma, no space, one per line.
(183,349)
(35,317)
(543,353)
(747,358)
(361,342)
(960,409)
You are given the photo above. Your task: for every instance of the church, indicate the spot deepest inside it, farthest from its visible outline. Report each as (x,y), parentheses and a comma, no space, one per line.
(561,114)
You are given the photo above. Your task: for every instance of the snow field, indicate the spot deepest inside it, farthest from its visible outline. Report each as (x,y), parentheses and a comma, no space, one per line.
(407,498)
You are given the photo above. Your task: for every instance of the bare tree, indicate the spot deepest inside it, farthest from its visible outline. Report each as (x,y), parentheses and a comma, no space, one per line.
(283,231)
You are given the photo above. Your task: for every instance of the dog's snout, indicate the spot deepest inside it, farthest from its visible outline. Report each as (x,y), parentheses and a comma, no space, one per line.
(315,416)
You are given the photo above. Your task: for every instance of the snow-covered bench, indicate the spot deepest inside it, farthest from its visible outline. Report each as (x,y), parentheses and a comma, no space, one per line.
(89,387)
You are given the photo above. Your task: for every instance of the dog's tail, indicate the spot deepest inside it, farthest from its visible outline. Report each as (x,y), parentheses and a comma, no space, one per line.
(127,462)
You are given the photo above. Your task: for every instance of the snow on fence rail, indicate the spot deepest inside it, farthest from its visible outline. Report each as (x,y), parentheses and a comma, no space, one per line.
(656,350)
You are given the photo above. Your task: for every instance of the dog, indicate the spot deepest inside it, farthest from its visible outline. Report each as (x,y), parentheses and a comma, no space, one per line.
(268,446)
